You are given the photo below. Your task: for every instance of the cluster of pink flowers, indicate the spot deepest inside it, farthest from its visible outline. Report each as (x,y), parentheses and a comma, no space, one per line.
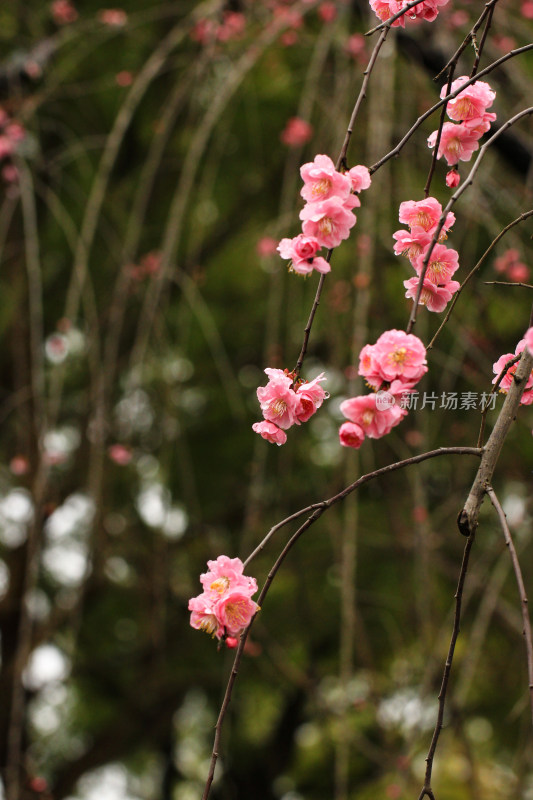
(327,216)
(460,138)
(207,30)
(422,217)
(11,134)
(427,10)
(287,401)
(509,264)
(392,367)
(225,608)
(507,380)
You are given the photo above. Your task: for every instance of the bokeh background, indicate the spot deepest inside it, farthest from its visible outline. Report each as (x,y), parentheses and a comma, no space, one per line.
(150,163)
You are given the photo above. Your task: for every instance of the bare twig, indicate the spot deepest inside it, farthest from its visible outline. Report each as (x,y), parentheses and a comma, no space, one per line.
(426,789)
(521,588)
(521,218)
(508,283)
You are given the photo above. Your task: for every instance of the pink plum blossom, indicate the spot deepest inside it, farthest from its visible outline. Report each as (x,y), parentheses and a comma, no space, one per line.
(434,297)
(518,272)
(235,611)
(424,214)
(330,220)
(114,17)
(63,12)
(375,422)
(302,251)
(470,104)
(266,246)
(270,432)
(351,435)
(225,606)
(400,355)
(528,340)
(457,143)
(296,132)
(360,178)
(453,179)
(322,180)
(278,401)
(311,396)
(409,244)
(427,10)
(443,263)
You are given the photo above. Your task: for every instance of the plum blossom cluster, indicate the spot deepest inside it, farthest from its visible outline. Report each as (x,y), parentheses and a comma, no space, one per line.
(285,401)
(11,135)
(507,380)
(327,216)
(426,10)
(422,217)
(392,367)
(470,120)
(225,607)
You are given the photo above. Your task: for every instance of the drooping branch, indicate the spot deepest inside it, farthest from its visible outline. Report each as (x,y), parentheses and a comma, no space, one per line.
(521,589)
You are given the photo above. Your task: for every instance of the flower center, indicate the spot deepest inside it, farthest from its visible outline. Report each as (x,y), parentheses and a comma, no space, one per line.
(464,108)
(367,417)
(423,220)
(237,614)
(321,187)
(209,624)
(220,585)
(399,355)
(325,226)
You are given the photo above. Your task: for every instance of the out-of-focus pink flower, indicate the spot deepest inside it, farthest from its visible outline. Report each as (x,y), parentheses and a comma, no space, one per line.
(375,422)
(457,143)
(327,11)
(19,465)
(330,220)
(63,12)
(310,396)
(424,214)
(124,78)
(296,132)
(434,297)
(453,179)
(506,260)
(518,272)
(232,26)
(505,43)
(322,180)
(526,9)
(266,246)
(356,47)
(270,432)
(203,31)
(289,38)
(115,17)
(351,435)
(457,19)
(443,263)
(120,454)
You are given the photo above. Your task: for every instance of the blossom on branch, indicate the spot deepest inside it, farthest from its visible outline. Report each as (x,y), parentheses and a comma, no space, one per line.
(285,401)
(507,380)
(225,608)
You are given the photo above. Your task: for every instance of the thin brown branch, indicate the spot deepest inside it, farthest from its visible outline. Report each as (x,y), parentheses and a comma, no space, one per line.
(508,283)
(434,157)
(521,589)
(479,49)
(426,789)
(502,233)
(468,38)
